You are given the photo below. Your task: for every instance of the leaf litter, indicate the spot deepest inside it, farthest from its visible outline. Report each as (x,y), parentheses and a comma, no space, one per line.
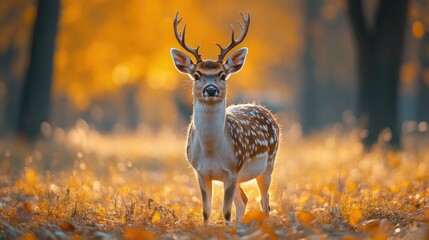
(325,187)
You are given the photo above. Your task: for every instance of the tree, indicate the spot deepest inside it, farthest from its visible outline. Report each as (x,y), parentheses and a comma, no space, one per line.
(35,102)
(423,82)
(379,53)
(308,87)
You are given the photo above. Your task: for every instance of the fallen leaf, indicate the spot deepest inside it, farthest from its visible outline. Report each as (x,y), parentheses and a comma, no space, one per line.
(66,226)
(77,237)
(156,217)
(269,230)
(305,217)
(355,216)
(254,215)
(27,236)
(138,234)
(305,220)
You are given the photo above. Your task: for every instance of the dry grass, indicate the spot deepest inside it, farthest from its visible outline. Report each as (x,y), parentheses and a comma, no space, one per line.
(82,185)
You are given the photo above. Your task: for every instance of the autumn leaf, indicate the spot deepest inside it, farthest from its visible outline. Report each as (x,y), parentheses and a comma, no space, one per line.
(66,226)
(27,236)
(156,218)
(305,217)
(355,216)
(77,237)
(254,215)
(138,234)
(266,228)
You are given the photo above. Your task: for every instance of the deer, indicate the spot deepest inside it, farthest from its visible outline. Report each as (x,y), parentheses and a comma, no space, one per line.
(233,144)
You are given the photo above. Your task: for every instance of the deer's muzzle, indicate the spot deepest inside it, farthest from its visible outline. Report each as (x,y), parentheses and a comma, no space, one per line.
(211,91)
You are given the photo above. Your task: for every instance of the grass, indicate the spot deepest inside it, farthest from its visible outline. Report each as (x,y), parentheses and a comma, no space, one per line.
(80,184)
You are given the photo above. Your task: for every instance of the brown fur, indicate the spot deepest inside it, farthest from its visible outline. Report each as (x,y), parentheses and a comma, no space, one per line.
(253,130)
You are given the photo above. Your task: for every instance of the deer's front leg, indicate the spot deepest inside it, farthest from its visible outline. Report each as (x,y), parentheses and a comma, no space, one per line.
(206,194)
(229,186)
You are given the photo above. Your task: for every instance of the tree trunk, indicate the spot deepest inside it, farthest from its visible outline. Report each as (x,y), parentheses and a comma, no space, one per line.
(12,92)
(130,92)
(308,86)
(379,52)
(423,82)
(35,103)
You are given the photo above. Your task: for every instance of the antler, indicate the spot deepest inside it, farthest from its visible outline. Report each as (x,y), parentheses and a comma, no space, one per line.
(180,36)
(244,29)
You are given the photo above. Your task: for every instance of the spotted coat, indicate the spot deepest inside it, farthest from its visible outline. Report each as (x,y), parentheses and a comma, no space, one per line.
(253,131)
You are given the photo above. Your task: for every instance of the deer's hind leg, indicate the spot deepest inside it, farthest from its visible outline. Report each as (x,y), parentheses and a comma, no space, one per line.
(240,202)
(264,182)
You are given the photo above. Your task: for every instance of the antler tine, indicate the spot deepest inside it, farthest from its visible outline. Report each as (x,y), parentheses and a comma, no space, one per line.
(180,36)
(178,20)
(244,30)
(233,33)
(241,25)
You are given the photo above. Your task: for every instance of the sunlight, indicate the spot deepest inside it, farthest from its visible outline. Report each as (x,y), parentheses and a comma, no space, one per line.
(159,78)
(121,74)
(97,124)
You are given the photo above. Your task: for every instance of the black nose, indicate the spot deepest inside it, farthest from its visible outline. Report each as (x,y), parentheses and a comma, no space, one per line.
(211,91)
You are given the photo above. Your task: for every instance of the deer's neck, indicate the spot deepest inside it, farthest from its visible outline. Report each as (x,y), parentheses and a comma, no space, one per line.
(209,123)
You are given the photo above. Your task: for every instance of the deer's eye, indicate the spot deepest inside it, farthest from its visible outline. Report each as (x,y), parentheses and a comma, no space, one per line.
(196,76)
(222,76)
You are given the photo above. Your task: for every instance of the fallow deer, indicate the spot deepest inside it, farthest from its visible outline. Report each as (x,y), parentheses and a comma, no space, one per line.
(231,144)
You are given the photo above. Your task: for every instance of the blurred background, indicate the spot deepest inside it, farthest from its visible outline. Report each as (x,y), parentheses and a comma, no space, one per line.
(93,114)
(104,65)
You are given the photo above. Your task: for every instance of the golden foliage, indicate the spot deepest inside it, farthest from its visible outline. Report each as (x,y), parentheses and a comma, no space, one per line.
(156,218)
(138,234)
(355,216)
(28,236)
(418,29)
(305,217)
(139,191)
(254,215)
(104,45)
(66,226)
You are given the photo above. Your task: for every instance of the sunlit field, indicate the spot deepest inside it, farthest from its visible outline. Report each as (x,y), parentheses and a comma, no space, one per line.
(80,184)
(93,116)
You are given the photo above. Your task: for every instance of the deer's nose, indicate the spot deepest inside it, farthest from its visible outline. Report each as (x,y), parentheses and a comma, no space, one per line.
(211,91)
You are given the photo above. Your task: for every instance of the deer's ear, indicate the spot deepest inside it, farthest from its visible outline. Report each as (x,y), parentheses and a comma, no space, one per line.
(236,61)
(182,62)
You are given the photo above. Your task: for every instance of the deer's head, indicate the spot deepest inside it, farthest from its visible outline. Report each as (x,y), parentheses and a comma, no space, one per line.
(209,76)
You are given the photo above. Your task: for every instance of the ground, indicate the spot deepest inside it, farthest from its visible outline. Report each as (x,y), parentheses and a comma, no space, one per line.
(79,184)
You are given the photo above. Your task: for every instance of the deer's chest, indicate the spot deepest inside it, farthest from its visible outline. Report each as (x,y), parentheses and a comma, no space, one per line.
(214,160)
